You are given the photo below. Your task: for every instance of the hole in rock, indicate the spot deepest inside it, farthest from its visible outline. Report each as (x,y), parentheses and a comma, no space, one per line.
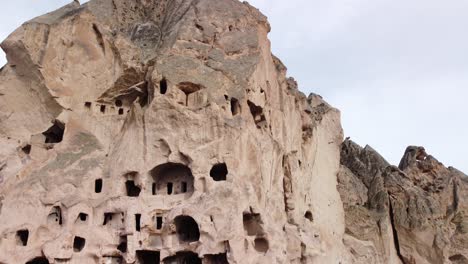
(215,259)
(22,237)
(187,228)
(118,103)
(121,111)
(458,259)
(103,108)
(150,257)
(78,243)
(38,260)
(132,189)
(83,217)
(257,113)
(137,222)
(163,86)
(159,222)
(308,216)
(189,88)
(183,257)
(55,133)
(55,216)
(26,149)
(87,105)
(252,224)
(168,178)
(219,172)
(184,187)
(235,106)
(261,244)
(169,187)
(153,188)
(98,186)
(115,220)
(199,27)
(122,247)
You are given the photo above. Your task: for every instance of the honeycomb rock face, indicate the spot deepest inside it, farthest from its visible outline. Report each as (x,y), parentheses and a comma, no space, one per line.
(163,132)
(414,213)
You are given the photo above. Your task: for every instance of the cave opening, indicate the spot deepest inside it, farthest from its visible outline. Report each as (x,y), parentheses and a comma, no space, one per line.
(123,244)
(252,224)
(138,222)
(235,106)
(187,228)
(308,215)
(22,237)
(132,189)
(216,259)
(183,258)
(169,187)
(83,217)
(171,179)
(163,86)
(257,113)
(55,133)
(98,185)
(149,257)
(261,244)
(78,244)
(219,172)
(55,216)
(26,149)
(159,222)
(38,260)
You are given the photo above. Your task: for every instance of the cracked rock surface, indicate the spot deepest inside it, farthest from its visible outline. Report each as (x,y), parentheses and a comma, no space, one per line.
(162,132)
(165,131)
(414,213)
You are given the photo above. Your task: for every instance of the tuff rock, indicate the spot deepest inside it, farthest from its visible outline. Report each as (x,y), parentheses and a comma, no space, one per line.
(165,131)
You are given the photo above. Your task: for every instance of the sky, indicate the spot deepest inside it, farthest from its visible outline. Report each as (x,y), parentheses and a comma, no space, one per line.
(396,69)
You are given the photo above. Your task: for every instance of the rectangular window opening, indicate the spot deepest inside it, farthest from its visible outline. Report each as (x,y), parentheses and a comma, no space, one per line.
(98,186)
(169,187)
(137,222)
(159,222)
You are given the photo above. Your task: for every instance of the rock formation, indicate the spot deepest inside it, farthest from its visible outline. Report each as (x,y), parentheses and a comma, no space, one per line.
(415,213)
(151,130)
(165,131)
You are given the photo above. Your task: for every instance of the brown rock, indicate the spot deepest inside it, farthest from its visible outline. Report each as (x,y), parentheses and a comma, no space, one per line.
(421,204)
(147,131)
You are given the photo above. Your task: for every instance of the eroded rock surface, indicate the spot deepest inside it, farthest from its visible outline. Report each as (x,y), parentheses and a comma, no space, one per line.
(162,132)
(414,213)
(165,131)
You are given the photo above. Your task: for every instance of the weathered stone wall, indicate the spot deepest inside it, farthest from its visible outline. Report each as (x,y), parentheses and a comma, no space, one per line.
(147,131)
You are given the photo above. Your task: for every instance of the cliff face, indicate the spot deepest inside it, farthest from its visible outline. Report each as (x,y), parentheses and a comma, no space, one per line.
(162,131)
(165,131)
(414,213)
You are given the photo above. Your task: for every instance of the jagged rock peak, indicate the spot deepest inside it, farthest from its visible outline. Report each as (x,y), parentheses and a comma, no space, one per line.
(417,213)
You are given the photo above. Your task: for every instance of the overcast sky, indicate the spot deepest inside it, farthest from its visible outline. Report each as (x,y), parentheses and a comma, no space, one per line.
(397,69)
